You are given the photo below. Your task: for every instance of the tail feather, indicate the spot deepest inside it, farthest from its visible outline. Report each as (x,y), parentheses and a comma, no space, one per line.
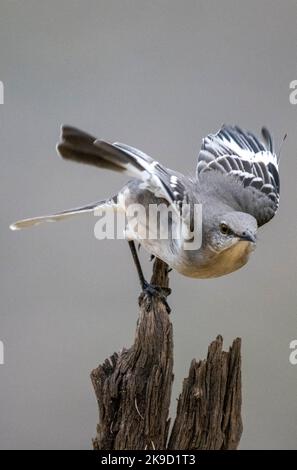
(25,223)
(82,147)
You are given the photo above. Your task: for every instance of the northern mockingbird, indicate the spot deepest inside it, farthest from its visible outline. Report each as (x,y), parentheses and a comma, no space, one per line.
(236,182)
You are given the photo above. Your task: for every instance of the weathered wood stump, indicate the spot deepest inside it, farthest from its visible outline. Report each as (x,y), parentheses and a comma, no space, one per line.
(133,389)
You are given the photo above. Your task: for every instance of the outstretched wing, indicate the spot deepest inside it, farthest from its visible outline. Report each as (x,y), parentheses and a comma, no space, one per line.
(242,156)
(157,178)
(81,147)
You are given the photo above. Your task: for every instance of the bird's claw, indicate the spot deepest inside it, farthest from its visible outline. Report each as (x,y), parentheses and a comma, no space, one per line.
(149,290)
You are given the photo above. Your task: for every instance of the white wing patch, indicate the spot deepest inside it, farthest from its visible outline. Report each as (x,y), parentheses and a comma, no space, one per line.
(241,154)
(155,177)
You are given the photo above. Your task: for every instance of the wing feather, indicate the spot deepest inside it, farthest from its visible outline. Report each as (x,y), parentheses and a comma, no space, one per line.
(254,164)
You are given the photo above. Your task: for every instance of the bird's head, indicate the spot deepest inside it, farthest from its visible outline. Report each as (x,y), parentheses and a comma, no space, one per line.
(228,229)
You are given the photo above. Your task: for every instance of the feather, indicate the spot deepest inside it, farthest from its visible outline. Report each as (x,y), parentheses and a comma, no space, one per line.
(25,223)
(242,155)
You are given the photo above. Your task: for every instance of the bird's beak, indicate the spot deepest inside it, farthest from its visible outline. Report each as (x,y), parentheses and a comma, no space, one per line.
(248,237)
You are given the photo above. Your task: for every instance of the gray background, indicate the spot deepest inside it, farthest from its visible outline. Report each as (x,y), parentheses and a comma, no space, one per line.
(158,75)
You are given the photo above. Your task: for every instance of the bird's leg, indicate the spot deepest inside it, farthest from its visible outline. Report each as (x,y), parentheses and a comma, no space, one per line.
(142,280)
(148,289)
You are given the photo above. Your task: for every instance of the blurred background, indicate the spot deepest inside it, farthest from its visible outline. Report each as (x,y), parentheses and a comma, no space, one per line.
(158,75)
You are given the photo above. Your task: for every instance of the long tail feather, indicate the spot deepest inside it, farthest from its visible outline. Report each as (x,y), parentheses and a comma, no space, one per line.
(25,223)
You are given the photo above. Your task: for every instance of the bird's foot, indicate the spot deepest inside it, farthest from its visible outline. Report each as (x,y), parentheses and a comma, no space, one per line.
(150,291)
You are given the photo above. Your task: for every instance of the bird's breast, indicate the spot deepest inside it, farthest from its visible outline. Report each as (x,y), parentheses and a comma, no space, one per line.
(220,264)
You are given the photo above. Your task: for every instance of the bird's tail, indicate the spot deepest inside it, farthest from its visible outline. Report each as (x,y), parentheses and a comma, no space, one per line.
(25,223)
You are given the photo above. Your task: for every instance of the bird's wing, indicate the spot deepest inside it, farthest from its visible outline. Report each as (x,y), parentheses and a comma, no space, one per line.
(81,147)
(157,178)
(253,164)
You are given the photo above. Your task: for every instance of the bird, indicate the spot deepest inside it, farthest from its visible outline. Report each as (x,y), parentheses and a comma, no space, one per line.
(236,183)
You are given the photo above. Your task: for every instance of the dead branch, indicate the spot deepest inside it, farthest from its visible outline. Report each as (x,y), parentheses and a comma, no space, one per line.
(133,389)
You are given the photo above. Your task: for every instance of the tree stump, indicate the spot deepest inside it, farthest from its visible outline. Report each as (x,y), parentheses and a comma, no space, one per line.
(133,389)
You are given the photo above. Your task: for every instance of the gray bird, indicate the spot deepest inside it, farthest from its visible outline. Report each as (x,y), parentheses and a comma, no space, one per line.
(236,183)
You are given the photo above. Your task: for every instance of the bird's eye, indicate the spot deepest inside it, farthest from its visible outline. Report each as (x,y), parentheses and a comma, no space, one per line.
(225,230)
